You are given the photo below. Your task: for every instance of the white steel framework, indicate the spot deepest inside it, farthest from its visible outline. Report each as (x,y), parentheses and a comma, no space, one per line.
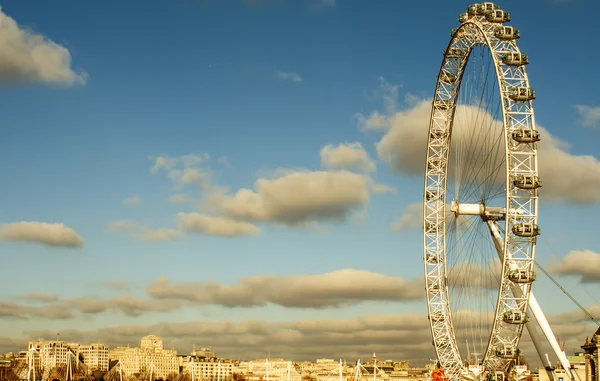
(515,219)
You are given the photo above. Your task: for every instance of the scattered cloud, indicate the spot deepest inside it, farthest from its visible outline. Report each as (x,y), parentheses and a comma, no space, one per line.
(142,233)
(350,156)
(39,297)
(70,308)
(294,77)
(187,176)
(334,289)
(566,177)
(411,219)
(583,264)
(118,285)
(29,57)
(179,198)
(378,120)
(49,234)
(589,116)
(133,200)
(158,235)
(350,338)
(382,188)
(301,340)
(224,160)
(182,170)
(121,225)
(219,226)
(296,198)
(167,163)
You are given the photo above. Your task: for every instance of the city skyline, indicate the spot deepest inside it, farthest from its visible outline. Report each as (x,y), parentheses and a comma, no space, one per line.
(247,175)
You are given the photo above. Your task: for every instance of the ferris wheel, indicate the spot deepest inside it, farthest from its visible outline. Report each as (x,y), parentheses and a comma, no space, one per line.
(481,196)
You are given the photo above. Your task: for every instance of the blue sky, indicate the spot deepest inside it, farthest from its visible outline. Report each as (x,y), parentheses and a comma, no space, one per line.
(253,90)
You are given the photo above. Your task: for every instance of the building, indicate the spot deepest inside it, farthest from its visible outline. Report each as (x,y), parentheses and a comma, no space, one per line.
(149,358)
(277,369)
(591,354)
(203,352)
(211,369)
(94,356)
(49,354)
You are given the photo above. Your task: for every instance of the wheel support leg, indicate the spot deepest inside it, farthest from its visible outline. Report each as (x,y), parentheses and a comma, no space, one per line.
(537,314)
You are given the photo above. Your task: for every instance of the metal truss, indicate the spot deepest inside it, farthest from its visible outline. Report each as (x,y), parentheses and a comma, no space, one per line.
(518,236)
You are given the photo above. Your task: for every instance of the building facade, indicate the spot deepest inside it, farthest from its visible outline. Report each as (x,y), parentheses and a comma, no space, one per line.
(49,354)
(211,369)
(149,358)
(94,356)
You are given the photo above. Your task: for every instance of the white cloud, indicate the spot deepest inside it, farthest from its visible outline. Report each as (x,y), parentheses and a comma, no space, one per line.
(28,57)
(50,234)
(214,225)
(350,156)
(158,235)
(334,289)
(294,77)
(142,233)
(589,116)
(39,297)
(183,170)
(382,188)
(179,198)
(296,198)
(121,225)
(168,163)
(133,200)
(583,264)
(187,176)
(566,177)
(411,219)
(118,285)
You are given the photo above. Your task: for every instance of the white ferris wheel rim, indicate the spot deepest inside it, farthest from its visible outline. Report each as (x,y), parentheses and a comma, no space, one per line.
(520,159)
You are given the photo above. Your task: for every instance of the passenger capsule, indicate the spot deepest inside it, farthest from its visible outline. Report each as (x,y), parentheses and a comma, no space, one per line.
(455,52)
(443,104)
(432,258)
(434,287)
(526,135)
(505,351)
(515,317)
(453,31)
(522,94)
(497,16)
(438,134)
(463,17)
(430,227)
(483,8)
(521,276)
(432,195)
(515,59)
(436,316)
(472,9)
(434,165)
(507,33)
(527,181)
(448,77)
(526,229)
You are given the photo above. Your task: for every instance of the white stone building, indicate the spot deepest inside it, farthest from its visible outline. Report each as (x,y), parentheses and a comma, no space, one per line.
(150,357)
(277,368)
(94,356)
(211,369)
(50,353)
